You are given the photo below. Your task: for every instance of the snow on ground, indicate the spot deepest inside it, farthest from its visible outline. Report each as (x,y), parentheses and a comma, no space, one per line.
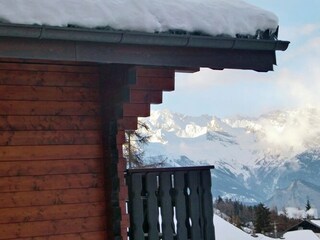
(226,231)
(214,17)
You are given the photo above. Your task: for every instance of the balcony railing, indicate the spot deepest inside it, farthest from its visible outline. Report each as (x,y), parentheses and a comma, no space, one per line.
(170,204)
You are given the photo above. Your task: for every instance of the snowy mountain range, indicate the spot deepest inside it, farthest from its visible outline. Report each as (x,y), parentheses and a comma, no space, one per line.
(273,159)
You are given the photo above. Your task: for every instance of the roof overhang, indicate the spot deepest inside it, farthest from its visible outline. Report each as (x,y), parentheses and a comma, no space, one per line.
(122,47)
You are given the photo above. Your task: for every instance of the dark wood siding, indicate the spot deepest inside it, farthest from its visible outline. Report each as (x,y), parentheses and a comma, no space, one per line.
(51,156)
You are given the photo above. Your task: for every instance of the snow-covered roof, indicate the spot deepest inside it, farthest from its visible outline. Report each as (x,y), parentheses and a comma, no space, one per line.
(316,222)
(212,17)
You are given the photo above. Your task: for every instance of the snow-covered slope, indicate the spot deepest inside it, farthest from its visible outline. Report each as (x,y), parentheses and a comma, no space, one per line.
(254,158)
(226,231)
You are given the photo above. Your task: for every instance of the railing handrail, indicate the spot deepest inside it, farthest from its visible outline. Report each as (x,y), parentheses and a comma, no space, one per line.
(169,169)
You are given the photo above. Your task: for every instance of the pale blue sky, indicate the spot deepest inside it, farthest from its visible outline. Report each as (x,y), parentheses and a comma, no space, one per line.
(294,83)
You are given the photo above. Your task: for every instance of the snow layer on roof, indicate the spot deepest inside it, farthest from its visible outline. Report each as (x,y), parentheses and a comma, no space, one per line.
(316,222)
(213,17)
(300,235)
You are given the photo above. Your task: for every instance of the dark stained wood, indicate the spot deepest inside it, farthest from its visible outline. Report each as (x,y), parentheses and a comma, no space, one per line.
(166,206)
(51,197)
(55,212)
(32,138)
(128,123)
(23,123)
(194,204)
(152,205)
(77,236)
(155,71)
(154,83)
(137,205)
(145,96)
(48,108)
(136,109)
(50,167)
(50,182)
(180,204)
(54,79)
(59,94)
(47,228)
(17,153)
(49,67)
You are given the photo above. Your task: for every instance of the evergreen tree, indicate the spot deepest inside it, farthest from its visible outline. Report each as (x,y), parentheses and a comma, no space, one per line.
(308,205)
(133,148)
(262,219)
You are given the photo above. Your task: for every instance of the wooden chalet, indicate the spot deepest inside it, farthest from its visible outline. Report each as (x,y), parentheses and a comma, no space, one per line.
(306,224)
(67,95)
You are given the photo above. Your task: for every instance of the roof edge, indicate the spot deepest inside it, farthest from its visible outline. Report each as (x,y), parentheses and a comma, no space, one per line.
(137,38)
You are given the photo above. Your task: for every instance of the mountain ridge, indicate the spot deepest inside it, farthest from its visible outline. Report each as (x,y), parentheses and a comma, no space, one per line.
(254,157)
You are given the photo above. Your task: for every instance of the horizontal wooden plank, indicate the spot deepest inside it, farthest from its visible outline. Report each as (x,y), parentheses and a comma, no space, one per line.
(50,167)
(48,228)
(154,72)
(16,153)
(51,197)
(127,123)
(35,93)
(50,182)
(145,96)
(45,67)
(53,212)
(136,109)
(154,83)
(55,79)
(77,236)
(48,108)
(24,123)
(31,138)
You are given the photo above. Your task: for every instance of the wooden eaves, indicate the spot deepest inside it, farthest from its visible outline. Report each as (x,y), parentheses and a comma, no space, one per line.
(123,47)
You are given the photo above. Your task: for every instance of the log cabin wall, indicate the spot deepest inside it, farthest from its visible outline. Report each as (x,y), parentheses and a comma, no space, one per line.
(52,182)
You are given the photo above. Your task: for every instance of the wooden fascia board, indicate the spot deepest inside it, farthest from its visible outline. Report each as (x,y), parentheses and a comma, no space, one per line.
(166,56)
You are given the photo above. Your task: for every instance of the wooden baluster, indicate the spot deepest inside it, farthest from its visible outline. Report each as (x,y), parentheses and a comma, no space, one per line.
(166,206)
(180,203)
(207,207)
(194,204)
(137,212)
(152,205)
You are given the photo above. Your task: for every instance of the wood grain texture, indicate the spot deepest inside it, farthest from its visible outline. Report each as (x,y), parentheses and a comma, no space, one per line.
(154,83)
(50,182)
(32,138)
(32,123)
(48,108)
(76,236)
(54,212)
(59,94)
(18,153)
(48,228)
(145,96)
(51,197)
(57,79)
(50,167)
